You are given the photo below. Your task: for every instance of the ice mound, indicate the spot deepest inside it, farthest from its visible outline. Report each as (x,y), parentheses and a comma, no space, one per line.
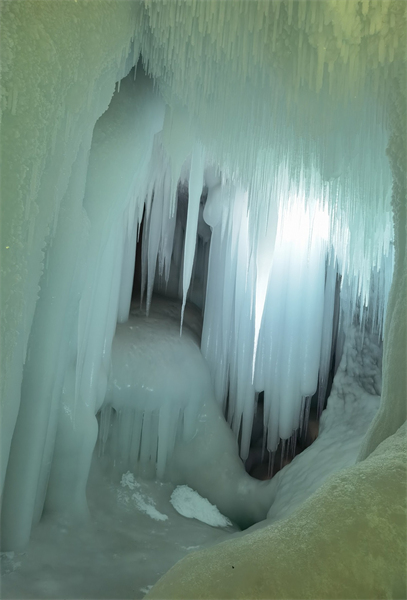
(158,382)
(191,505)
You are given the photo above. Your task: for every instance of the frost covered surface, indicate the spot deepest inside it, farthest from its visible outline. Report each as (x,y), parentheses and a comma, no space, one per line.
(83,280)
(330,547)
(190,504)
(50,129)
(352,404)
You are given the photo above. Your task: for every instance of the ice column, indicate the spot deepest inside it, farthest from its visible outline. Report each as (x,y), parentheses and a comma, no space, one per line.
(65,375)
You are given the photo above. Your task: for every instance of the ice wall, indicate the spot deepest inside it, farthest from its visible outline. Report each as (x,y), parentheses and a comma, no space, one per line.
(57,79)
(67,193)
(394,395)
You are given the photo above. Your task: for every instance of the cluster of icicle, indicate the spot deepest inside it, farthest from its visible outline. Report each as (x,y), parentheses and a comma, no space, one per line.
(284,83)
(278,260)
(337,38)
(297,183)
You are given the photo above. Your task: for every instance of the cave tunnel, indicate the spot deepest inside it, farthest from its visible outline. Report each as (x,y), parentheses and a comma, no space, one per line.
(203,299)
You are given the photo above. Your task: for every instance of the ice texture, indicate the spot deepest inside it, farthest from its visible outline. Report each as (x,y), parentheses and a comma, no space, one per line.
(190,504)
(353,403)
(114,554)
(73,562)
(46,167)
(160,418)
(315,548)
(195,185)
(269,274)
(66,381)
(299,109)
(157,384)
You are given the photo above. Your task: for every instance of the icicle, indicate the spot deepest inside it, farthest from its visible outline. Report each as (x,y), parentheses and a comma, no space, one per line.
(126,283)
(267,230)
(154,235)
(196,179)
(136,437)
(326,343)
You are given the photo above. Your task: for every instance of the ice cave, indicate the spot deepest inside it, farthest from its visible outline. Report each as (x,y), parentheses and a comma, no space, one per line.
(203,299)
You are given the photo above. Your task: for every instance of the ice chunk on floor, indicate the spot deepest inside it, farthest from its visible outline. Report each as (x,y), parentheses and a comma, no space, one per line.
(191,505)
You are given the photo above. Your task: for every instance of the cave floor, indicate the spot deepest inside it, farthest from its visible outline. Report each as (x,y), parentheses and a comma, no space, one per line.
(120,552)
(127,543)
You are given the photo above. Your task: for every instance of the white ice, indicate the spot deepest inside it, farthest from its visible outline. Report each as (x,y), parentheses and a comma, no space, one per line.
(190,504)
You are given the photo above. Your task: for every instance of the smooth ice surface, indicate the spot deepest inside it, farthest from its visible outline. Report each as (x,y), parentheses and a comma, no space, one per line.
(119,553)
(190,504)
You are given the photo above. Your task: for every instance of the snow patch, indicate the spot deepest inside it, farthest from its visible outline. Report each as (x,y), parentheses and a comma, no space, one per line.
(146,589)
(8,562)
(191,505)
(142,502)
(129,481)
(146,505)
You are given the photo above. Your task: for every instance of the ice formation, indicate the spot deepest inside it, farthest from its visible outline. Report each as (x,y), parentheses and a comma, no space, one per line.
(191,505)
(352,404)
(314,551)
(276,118)
(271,245)
(160,417)
(157,385)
